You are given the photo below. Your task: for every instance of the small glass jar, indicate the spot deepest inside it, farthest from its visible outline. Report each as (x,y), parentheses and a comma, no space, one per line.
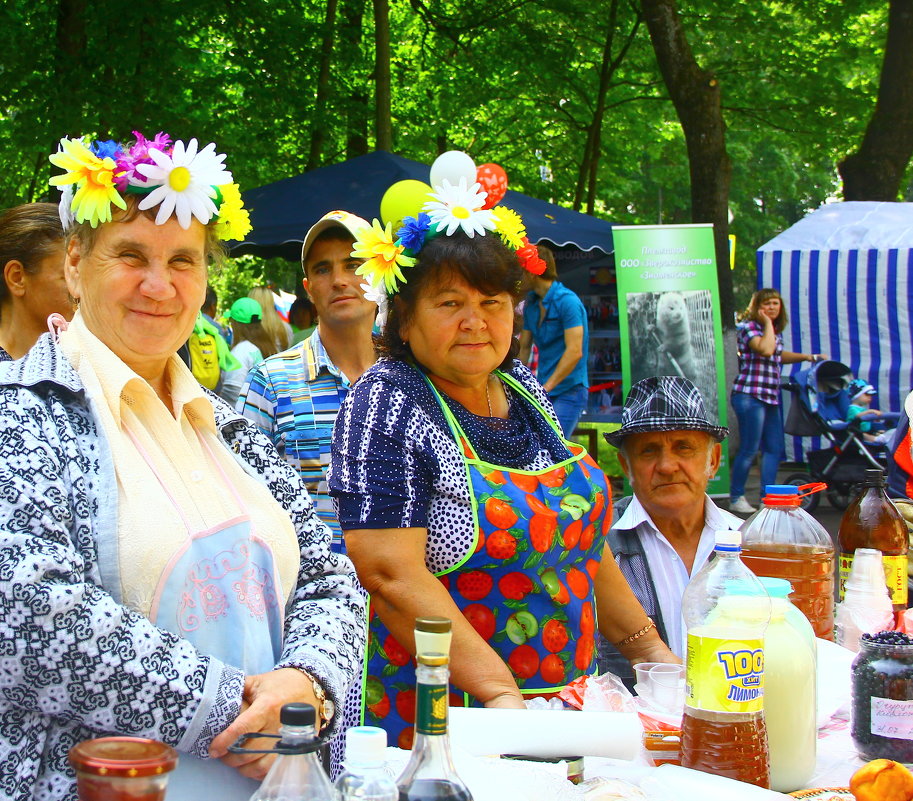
(122,769)
(882,691)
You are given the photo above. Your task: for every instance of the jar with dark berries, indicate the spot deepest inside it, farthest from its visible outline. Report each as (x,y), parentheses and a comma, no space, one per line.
(882,682)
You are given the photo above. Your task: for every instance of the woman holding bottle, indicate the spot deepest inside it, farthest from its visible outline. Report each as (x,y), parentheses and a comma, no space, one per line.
(756,392)
(460,498)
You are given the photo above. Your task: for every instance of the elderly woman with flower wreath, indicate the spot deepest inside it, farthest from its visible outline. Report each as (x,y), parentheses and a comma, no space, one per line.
(164,574)
(455,489)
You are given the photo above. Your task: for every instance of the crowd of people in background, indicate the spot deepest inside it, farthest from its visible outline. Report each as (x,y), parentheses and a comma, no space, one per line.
(385,452)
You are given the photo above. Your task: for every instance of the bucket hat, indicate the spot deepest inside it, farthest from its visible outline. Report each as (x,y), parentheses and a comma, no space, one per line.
(246,310)
(664,403)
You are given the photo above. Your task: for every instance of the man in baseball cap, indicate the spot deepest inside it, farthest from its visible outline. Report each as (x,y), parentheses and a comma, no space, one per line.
(669,450)
(294,396)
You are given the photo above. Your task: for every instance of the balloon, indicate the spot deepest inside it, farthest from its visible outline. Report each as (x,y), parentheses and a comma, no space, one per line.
(494,181)
(403,199)
(453,165)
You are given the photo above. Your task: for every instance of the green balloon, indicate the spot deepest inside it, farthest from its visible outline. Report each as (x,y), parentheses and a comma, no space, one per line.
(403,199)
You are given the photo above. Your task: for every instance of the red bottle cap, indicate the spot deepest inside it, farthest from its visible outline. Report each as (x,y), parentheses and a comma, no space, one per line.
(123,757)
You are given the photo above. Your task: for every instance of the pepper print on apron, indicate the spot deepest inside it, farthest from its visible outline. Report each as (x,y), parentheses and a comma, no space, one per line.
(526,585)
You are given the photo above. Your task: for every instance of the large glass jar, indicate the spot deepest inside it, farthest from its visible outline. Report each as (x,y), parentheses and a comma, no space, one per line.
(882,684)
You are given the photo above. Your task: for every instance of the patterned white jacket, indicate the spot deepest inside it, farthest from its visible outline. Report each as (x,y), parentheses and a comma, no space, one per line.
(74,662)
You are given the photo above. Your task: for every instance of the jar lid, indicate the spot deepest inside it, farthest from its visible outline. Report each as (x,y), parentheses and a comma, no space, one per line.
(436,625)
(123,757)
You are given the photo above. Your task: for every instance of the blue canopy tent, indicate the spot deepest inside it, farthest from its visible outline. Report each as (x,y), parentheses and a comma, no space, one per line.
(846,274)
(282,212)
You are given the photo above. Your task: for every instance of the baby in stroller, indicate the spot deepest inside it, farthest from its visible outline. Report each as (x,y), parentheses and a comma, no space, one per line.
(822,397)
(860,395)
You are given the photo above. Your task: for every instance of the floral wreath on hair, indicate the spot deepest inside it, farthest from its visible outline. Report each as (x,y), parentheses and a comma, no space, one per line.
(180,179)
(463,198)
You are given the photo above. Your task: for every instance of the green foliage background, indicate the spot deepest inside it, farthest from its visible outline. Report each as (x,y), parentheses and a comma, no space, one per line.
(509,81)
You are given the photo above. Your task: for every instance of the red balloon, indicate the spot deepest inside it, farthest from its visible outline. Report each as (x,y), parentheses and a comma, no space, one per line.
(494,181)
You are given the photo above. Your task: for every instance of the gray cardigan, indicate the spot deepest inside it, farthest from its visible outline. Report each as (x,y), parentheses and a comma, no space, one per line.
(632,561)
(74,662)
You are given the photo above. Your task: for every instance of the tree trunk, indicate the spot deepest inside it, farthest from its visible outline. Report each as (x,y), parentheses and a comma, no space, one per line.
(382,116)
(876,169)
(695,93)
(318,128)
(357,115)
(69,56)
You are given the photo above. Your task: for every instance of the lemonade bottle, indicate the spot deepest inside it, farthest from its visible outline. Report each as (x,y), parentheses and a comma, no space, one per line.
(723,729)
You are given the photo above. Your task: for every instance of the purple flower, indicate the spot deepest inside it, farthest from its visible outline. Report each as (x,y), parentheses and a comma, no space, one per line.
(413,230)
(139,154)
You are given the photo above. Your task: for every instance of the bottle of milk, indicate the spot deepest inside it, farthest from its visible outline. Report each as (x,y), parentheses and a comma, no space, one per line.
(790,701)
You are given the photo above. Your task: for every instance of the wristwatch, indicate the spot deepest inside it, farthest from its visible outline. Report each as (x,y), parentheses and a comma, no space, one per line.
(325,706)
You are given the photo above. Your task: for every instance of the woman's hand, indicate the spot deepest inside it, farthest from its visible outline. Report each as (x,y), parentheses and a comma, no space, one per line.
(653,651)
(506,700)
(264,696)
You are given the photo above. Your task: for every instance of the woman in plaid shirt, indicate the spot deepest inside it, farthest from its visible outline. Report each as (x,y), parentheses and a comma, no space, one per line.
(756,392)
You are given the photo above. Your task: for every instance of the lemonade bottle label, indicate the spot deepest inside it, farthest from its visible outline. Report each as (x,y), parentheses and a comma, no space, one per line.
(724,674)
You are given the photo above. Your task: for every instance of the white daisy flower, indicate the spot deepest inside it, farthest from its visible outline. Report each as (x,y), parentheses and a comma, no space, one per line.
(184,182)
(376,294)
(460,207)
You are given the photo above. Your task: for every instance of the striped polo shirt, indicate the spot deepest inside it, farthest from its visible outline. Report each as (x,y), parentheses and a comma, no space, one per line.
(294,397)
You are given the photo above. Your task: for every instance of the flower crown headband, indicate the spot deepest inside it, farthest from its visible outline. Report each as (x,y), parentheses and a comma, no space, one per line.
(464,197)
(180,179)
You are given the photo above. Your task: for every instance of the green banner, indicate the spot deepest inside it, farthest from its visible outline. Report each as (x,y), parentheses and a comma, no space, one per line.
(670,314)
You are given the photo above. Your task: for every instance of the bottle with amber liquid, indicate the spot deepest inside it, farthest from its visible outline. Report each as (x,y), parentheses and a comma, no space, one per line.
(430,774)
(872,521)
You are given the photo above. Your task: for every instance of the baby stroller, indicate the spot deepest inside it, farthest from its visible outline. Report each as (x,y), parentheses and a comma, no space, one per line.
(820,402)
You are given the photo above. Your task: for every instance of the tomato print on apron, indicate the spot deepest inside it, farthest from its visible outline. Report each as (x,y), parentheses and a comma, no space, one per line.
(526,585)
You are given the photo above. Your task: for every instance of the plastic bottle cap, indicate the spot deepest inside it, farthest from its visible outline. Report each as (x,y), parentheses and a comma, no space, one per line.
(776,587)
(432,660)
(297,715)
(874,478)
(781,489)
(365,745)
(728,539)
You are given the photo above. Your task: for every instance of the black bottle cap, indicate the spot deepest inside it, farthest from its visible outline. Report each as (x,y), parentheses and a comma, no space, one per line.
(298,715)
(874,478)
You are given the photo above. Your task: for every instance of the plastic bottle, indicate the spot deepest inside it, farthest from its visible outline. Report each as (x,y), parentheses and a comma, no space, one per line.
(781,588)
(782,540)
(790,701)
(866,606)
(297,774)
(430,774)
(364,778)
(723,729)
(872,521)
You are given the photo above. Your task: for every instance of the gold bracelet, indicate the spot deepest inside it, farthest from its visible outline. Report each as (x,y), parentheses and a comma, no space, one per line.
(636,635)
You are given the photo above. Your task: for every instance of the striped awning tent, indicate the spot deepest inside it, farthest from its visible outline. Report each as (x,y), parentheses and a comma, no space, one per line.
(846,275)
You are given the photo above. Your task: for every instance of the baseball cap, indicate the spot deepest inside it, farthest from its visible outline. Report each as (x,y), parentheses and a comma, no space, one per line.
(858,387)
(246,310)
(351,222)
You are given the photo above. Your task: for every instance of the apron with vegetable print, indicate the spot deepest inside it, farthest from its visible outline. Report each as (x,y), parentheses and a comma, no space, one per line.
(526,585)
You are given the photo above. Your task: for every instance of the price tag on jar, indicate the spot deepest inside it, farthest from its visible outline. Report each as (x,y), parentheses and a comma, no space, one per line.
(892,718)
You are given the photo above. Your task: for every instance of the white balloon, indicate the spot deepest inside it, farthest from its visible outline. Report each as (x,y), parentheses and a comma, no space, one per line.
(453,165)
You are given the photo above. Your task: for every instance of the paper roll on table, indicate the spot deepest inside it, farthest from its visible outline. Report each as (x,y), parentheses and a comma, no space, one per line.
(546,732)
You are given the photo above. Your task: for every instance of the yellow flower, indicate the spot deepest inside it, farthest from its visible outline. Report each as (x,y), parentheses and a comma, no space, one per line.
(509,226)
(234,220)
(94,178)
(383,256)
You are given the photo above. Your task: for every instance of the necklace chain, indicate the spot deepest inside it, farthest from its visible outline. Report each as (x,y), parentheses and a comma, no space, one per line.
(488,396)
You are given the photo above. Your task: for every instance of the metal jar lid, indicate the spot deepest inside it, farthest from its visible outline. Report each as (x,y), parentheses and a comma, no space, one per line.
(123,757)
